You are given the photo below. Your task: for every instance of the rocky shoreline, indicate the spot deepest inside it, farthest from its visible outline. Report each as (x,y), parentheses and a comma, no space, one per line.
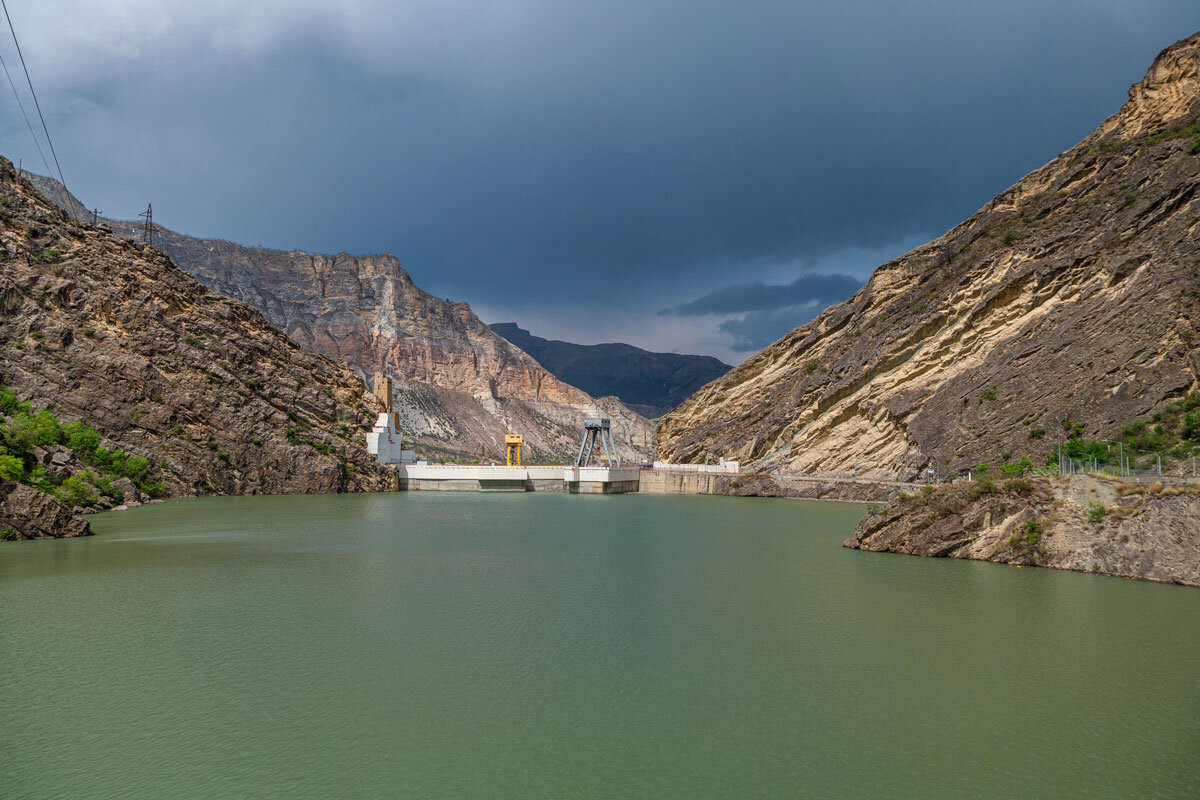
(26,513)
(1145,531)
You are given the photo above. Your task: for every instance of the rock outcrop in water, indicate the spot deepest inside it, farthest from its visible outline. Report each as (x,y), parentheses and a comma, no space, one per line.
(110,333)
(1144,531)
(1074,295)
(460,386)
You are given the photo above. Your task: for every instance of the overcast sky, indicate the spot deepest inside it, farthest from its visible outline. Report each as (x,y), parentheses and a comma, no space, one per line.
(693,176)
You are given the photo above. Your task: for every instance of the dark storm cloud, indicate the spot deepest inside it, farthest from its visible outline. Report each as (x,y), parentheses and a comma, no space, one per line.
(757,329)
(533,153)
(758,296)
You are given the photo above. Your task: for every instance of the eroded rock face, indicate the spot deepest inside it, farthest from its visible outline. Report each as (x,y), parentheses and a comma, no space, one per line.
(110,332)
(26,513)
(465,386)
(1073,295)
(1149,532)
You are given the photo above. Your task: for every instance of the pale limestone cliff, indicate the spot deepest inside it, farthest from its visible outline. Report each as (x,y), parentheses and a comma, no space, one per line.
(1074,295)
(460,385)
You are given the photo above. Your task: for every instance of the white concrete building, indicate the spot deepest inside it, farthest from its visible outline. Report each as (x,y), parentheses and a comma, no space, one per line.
(384,443)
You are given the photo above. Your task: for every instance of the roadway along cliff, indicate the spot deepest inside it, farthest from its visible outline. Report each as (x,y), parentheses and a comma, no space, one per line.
(1072,296)
(108,332)
(459,386)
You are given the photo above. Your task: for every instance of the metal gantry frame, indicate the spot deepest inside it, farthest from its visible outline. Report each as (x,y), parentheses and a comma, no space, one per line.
(593,430)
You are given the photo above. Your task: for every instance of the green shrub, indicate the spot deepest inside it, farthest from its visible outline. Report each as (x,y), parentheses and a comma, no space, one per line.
(75,491)
(1037,433)
(987,395)
(1017,468)
(11,467)
(9,403)
(1096,513)
(26,432)
(1191,427)
(80,437)
(1018,486)
(8,535)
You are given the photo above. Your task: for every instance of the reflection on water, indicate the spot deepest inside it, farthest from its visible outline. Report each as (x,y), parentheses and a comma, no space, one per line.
(468,645)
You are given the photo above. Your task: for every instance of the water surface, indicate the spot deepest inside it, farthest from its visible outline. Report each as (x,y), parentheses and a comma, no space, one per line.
(433,645)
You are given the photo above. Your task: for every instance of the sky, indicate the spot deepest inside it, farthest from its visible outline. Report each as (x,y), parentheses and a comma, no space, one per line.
(697,176)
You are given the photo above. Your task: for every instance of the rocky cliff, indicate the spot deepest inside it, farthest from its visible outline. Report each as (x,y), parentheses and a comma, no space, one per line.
(1073,296)
(1145,531)
(109,332)
(651,383)
(460,386)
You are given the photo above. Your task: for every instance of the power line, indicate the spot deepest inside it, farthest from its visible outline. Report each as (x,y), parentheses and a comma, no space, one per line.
(21,106)
(36,104)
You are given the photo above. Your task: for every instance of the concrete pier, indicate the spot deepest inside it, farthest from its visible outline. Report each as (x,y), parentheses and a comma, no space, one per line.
(601,480)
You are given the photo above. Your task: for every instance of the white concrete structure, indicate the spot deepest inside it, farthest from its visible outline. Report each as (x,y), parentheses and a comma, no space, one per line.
(383,442)
(722,468)
(601,480)
(453,478)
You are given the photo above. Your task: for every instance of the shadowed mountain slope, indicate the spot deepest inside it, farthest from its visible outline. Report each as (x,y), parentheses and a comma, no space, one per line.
(652,383)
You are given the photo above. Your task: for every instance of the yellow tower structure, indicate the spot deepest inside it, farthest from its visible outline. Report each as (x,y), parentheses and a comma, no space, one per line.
(512,449)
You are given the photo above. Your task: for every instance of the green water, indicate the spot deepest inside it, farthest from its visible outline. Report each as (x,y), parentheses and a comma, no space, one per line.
(433,645)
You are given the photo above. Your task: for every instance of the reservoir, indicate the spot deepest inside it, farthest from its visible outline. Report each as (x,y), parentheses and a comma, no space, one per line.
(439,645)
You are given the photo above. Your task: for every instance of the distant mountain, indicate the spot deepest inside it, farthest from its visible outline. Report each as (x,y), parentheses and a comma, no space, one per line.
(651,383)
(459,386)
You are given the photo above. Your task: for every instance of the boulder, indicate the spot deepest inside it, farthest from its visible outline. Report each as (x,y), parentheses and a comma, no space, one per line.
(26,513)
(132,497)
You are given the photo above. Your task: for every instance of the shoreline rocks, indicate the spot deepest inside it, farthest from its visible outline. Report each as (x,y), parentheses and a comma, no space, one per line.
(27,513)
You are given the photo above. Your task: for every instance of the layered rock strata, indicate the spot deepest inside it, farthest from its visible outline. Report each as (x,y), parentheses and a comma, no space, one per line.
(463,385)
(110,332)
(1146,531)
(1072,296)
(26,513)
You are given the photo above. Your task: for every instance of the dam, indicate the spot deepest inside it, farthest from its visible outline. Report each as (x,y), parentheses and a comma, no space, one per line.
(502,478)
(608,476)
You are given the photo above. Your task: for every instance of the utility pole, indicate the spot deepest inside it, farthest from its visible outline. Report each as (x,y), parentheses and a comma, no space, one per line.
(95,215)
(1060,461)
(148,227)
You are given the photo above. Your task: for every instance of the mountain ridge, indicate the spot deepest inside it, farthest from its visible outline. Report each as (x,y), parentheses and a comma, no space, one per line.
(1071,297)
(110,333)
(459,386)
(652,383)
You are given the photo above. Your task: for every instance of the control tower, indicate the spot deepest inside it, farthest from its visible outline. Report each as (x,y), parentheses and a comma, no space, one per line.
(584,478)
